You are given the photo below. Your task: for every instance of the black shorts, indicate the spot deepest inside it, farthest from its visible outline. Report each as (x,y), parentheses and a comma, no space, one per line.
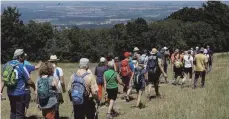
(141,86)
(27,99)
(126,81)
(152,77)
(112,93)
(178,72)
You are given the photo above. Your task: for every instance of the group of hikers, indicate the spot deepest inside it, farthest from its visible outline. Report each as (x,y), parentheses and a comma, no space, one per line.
(137,70)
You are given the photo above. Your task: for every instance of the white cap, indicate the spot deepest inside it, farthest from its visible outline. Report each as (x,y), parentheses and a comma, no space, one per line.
(197,47)
(53,58)
(136,49)
(18,52)
(165,48)
(84,62)
(102,59)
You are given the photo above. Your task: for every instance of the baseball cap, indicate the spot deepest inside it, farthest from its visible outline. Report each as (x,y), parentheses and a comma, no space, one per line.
(18,52)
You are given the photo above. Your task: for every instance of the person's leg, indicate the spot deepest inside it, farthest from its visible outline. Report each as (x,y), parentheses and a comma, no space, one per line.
(190,76)
(150,81)
(78,112)
(185,76)
(100,91)
(90,110)
(176,74)
(27,101)
(12,107)
(197,74)
(20,106)
(210,66)
(203,79)
(139,98)
(57,115)
(156,86)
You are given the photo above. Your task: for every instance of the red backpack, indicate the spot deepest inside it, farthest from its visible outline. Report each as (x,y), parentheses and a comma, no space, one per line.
(125,68)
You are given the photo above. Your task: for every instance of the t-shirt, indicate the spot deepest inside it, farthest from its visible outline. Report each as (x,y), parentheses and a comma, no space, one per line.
(22,76)
(90,82)
(200,59)
(57,76)
(99,71)
(27,62)
(188,61)
(111,79)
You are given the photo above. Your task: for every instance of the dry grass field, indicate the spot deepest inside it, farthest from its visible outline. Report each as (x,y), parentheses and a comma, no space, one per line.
(211,102)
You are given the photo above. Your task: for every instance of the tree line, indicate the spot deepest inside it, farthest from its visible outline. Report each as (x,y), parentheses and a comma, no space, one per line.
(183,29)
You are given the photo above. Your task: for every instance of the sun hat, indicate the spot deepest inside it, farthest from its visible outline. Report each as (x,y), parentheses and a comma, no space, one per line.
(165,48)
(18,52)
(102,59)
(53,58)
(154,51)
(136,49)
(84,62)
(197,47)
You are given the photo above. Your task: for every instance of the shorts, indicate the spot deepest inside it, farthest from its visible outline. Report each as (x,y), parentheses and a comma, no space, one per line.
(126,81)
(27,99)
(152,77)
(178,72)
(112,93)
(141,86)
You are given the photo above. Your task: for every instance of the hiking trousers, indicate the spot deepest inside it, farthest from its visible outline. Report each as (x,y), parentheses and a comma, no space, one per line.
(17,105)
(87,109)
(154,79)
(197,75)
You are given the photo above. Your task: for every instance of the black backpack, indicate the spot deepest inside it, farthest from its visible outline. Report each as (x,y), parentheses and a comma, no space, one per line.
(152,63)
(138,77)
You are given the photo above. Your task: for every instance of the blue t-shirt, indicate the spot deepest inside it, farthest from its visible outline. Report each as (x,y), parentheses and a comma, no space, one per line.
(22,76)
(131,64)
(27,62)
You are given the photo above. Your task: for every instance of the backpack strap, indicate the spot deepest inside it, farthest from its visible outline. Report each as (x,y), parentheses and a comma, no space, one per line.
(58,73)
(110,77)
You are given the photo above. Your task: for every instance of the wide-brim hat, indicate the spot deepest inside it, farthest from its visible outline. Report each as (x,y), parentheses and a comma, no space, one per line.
(53,58)
(154,51)
(136,49)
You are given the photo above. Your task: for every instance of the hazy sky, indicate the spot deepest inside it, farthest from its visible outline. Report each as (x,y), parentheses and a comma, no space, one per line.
(106,0)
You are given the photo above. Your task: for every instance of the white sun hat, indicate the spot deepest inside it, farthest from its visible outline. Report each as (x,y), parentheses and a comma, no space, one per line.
(165,48)
(102,59)
(53,58)
(136,49)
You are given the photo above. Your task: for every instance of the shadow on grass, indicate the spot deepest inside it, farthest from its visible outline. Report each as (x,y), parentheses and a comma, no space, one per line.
(36,117)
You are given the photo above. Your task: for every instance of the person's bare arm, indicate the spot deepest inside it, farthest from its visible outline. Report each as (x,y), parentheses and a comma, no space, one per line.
(161,67)
(105,83)
(2,86)
(38,65)
(63,83)
(31,84)
(119,80)
(94,89)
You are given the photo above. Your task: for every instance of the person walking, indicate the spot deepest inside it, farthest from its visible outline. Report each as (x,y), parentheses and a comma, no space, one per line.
(188,67)
(111,80)
(200,68)
(177,66)
(210,60)
(99,71)
(58,74)
(155,68)
(46,91)
(139,78)
(126,73)
(14,76)
(82,90)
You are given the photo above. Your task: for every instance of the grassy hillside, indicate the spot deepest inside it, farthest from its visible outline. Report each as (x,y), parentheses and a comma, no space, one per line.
(211,102)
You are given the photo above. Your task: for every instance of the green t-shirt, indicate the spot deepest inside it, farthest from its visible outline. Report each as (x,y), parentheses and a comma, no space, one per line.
(111,79)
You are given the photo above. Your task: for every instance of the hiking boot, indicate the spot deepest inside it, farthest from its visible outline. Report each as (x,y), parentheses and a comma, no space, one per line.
(127,99)
(114,113)
(158,95)
(141,105)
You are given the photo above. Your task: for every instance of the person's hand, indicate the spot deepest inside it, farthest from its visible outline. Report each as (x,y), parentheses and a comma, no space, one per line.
(165,75)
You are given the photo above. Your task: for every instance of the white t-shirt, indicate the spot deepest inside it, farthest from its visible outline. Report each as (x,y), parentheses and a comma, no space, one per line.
(207,55)
(58,77)
(188,61)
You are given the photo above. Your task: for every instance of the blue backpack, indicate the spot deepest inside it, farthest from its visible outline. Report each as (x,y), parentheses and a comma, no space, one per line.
(152,63)
(78,89)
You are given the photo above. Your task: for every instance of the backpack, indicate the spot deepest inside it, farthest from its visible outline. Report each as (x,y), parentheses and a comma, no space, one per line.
(78,89)
(152,63)
(125,68)
(9,74)
(138,77)
(43,91)
(143,57)
(177,62)
(58,73)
